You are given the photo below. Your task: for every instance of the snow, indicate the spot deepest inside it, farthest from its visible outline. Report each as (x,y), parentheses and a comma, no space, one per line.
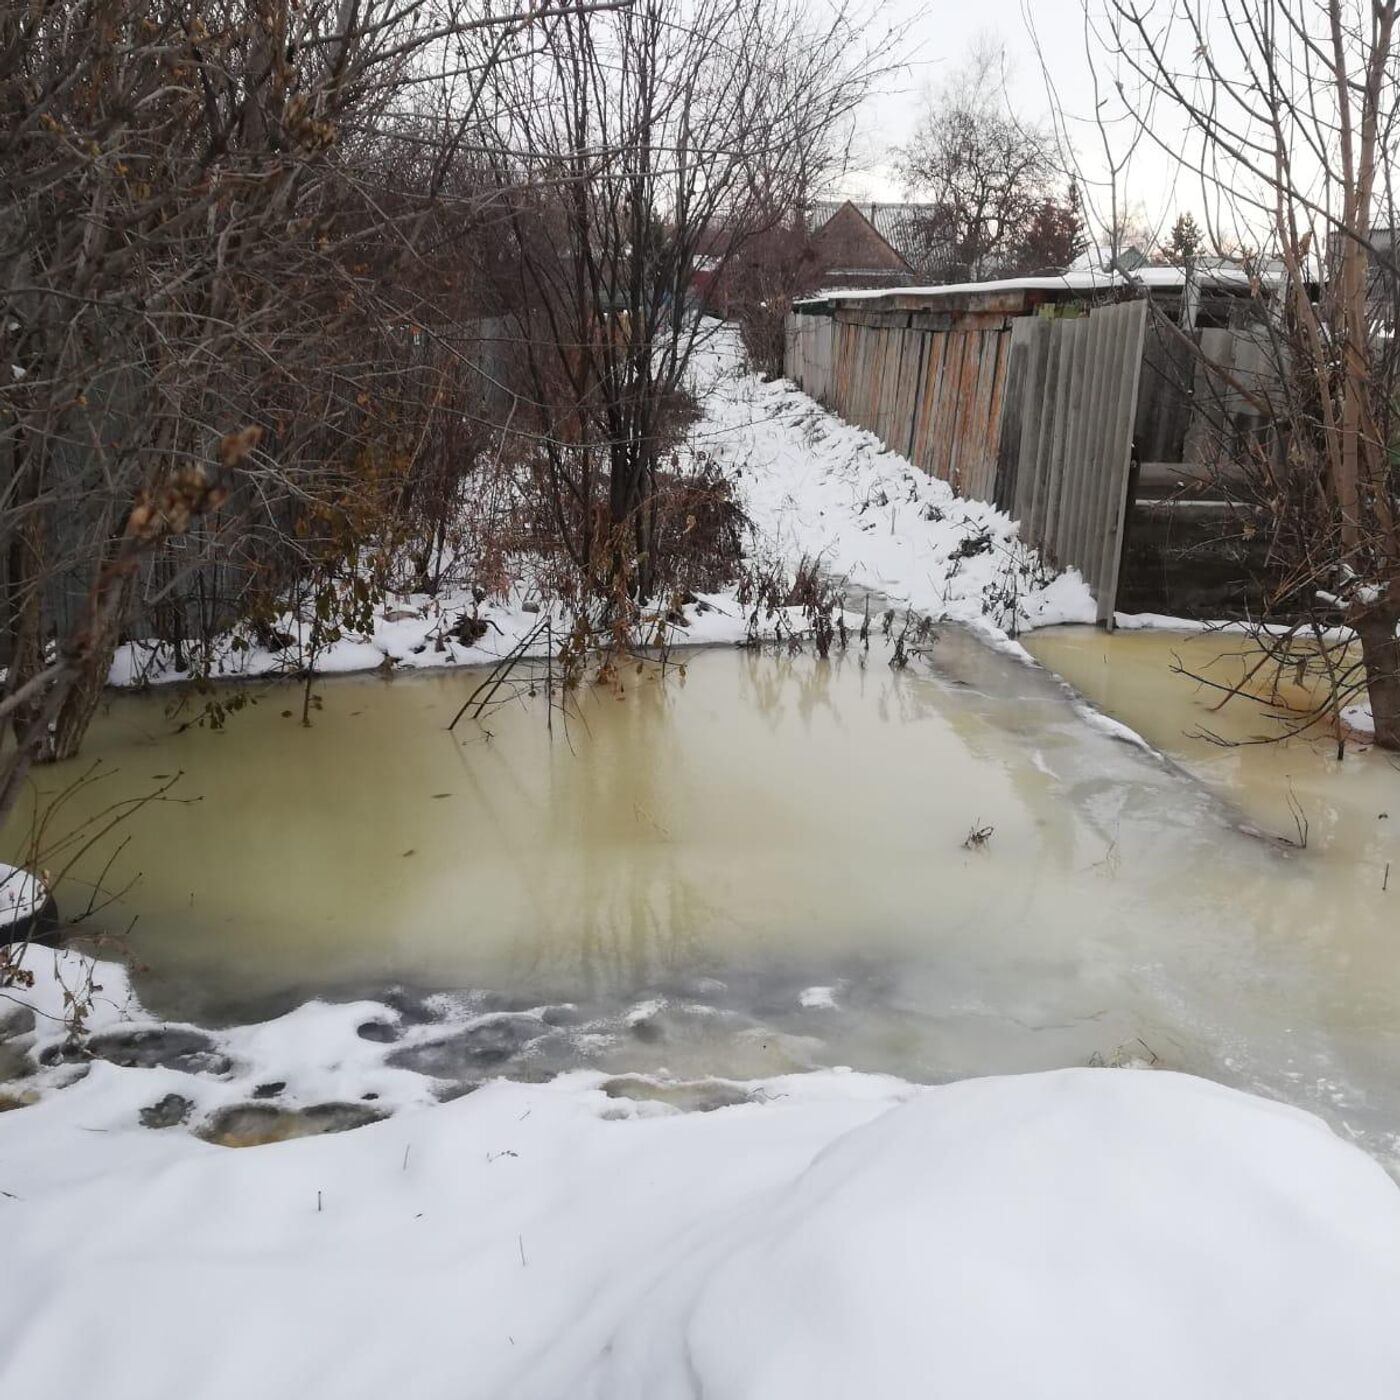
(813,487)
(819,488)
(1358,717)
(1086,1233)
(22,895)
(1079,279)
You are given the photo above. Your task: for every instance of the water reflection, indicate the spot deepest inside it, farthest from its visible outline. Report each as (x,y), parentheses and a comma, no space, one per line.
(706,846)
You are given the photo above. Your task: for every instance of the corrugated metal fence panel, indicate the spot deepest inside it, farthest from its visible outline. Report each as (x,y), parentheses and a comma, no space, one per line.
(1037,414)
(1117,444)
(1074,448)
(1008,435)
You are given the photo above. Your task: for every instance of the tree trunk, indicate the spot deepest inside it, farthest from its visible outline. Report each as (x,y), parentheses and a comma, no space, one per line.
(1380,653)
(80,704)
(99,646)
(24,597)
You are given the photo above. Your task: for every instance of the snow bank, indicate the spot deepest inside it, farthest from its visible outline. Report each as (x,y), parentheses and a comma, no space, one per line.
(22,895)
(812,486)
(817,487)
(1085,1233)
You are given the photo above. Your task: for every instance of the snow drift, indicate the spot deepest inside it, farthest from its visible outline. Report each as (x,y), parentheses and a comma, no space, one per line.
(1085,1233)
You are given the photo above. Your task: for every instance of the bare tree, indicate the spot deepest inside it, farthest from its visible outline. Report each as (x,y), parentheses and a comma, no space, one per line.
(986,172)
(628,147)
(1286,111)
(223,230)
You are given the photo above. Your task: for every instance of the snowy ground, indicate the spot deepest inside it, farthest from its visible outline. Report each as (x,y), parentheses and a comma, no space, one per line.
(813,486)
(1084,1233)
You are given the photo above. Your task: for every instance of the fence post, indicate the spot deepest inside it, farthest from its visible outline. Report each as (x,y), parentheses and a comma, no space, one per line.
(1134,314)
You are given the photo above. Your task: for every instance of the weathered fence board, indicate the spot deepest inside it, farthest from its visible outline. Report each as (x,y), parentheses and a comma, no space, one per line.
(1035,414)
(1118,447)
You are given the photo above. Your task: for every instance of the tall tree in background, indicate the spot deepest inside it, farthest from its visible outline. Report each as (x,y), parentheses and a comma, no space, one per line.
(986,173)
(1053,237)
(1185,243)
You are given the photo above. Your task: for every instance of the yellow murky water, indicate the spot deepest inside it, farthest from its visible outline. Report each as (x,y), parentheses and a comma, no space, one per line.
(720,844)
(1173,689)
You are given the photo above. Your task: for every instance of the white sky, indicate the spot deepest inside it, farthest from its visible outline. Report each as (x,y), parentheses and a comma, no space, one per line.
(941,34)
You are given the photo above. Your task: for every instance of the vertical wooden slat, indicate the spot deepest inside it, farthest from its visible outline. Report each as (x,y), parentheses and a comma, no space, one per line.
(1099,370)
(929,410)
(916,392)
(978,463)
(993,427)
(1010,418)
(956,407)
(1037,340)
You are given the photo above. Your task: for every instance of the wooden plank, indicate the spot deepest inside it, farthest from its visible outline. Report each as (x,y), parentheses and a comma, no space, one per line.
(931,426)
(1037,341)
(965,468)
(1010,415)
(916,385)
(892,394)
(993,444)
(979,462)
(928,388)
(1045,441)
(955,405)
(1134,314)
(901,411)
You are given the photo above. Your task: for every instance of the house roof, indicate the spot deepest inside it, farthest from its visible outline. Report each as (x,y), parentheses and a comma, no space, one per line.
(903,226)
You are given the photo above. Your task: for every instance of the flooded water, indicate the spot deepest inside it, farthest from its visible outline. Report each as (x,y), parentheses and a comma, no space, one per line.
(1171,687)
(762,864)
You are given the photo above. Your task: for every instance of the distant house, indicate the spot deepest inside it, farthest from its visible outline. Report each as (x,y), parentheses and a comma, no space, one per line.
(912,230)
(853,251)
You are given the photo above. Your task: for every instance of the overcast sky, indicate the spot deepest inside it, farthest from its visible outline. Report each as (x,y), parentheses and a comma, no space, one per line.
(940,35)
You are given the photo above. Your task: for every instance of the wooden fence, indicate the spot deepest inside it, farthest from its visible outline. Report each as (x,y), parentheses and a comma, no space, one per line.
(931,392)
(1034,413)
(1066,436)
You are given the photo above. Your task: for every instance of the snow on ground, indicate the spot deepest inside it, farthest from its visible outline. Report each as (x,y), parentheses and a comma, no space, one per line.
(817,487)
(1084,1233)
(813,487)
(820,488)
(22,895)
